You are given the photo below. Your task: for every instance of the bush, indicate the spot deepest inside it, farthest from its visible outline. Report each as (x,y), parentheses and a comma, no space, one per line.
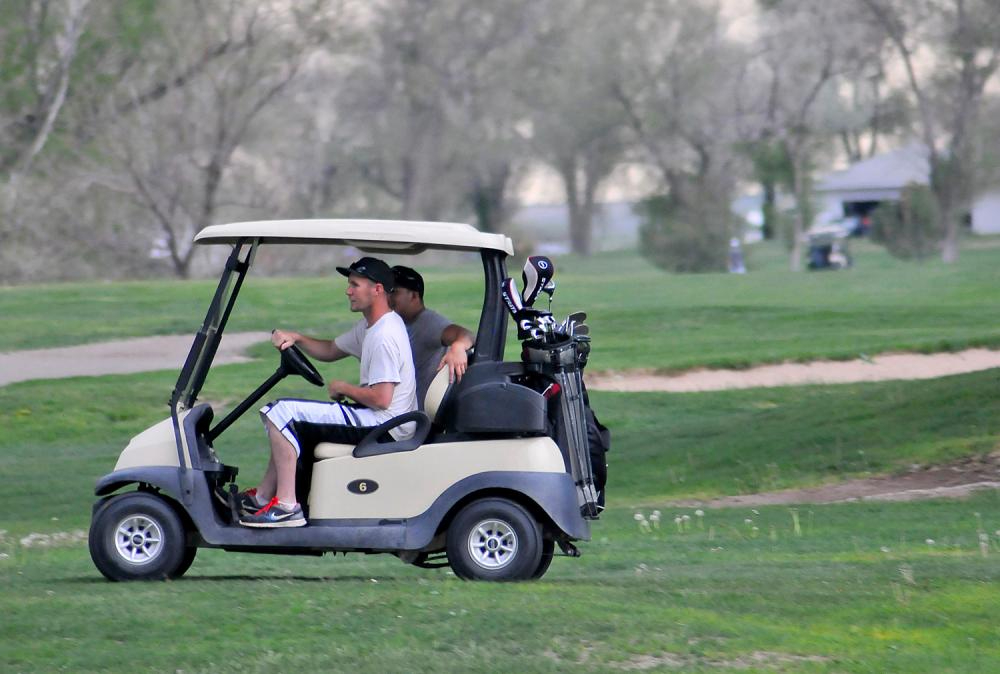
(909,229)
(685,237)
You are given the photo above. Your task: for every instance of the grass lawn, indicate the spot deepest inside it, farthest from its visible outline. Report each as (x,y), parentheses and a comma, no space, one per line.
(841,588)
(639,315)
(862,587)
(858,590)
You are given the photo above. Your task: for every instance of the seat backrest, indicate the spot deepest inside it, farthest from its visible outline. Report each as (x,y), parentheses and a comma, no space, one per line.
(436,393)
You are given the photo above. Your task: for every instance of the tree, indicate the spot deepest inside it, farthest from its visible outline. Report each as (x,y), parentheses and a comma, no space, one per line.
(176,158)
(676,92)
(910,229)
(432,100)
(960,38)
(577,126)
(790,91)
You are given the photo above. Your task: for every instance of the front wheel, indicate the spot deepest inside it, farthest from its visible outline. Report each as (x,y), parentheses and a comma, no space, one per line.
(138,537)
(494,539)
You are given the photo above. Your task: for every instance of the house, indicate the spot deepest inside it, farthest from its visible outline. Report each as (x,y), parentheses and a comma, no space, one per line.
(858,189)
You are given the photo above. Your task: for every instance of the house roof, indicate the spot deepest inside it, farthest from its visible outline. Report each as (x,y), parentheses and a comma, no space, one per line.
(880,177)
(378,236)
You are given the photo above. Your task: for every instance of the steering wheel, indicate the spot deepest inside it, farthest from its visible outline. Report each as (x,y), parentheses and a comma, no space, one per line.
(293,361)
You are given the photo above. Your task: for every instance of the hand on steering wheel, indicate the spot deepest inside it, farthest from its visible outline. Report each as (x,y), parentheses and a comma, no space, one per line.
(293,361)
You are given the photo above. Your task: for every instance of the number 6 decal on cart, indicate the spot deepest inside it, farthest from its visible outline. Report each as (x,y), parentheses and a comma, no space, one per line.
(362,486)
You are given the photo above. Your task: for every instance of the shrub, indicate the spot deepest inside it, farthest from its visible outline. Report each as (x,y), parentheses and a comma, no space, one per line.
(685,235)
(909,229)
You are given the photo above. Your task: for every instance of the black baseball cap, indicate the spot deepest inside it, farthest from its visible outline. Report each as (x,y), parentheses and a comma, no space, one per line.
(406,277)
(371,268)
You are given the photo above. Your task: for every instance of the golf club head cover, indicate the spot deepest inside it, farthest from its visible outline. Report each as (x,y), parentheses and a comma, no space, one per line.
(511,297)
(537,273)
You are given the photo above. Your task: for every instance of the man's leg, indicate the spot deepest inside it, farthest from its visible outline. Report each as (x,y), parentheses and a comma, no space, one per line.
(283,460)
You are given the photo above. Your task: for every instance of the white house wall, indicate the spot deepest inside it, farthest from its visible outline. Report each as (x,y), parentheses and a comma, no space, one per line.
(986,214)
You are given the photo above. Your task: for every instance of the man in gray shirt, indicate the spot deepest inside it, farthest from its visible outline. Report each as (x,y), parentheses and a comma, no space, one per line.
(436,342)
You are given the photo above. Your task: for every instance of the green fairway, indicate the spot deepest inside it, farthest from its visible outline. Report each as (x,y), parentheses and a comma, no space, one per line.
(842,588)
(640,316)
(860,587)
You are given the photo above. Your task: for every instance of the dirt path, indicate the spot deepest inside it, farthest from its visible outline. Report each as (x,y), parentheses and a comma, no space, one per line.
(878,368)
(118,357)
(954,480)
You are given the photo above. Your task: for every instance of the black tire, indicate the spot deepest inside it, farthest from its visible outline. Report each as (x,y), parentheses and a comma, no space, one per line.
(548,552)
(186,561)
(138,537)
(494,539)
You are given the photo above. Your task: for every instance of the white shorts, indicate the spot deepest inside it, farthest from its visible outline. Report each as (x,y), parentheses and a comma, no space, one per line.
(290,415)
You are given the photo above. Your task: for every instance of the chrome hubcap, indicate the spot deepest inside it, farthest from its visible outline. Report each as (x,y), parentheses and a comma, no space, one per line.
(492,544)
(138,539)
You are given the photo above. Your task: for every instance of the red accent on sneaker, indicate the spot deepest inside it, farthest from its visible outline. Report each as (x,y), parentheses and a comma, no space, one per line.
(270,504)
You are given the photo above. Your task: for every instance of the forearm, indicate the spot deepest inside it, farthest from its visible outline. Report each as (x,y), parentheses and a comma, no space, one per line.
(377,397)
(320,349)
(457,338)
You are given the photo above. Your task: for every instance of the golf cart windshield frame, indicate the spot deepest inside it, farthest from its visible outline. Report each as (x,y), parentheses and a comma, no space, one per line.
(490,339)
(207,340)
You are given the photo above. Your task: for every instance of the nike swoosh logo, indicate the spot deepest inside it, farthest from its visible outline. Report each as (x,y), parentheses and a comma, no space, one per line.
(281,516)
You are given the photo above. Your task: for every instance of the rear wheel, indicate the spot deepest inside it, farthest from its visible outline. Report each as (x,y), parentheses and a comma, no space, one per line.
(548,551)
(139,537)
(494,539)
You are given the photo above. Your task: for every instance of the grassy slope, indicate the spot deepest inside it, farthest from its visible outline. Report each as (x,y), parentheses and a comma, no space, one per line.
(640,316)
(858,589)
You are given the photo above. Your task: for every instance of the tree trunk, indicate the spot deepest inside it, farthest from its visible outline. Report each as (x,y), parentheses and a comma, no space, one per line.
(802,209)
(579,203)
(487,198)
(769,210)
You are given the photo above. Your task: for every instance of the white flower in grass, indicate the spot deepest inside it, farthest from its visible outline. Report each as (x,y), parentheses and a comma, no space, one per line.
(654,518)
(686,518)
(885,549)
(643,524)
(748,521)
(699,513)
(929,541)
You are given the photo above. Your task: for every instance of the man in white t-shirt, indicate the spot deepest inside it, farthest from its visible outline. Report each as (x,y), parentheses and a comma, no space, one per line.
(387,388)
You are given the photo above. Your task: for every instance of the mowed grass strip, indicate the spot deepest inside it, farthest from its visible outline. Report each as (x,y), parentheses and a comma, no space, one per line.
(855,588)
(60,436)
(640,316)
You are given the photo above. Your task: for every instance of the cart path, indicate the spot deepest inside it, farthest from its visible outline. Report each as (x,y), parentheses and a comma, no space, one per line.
(121,356)
(878,368)
(169,351)
(957,479)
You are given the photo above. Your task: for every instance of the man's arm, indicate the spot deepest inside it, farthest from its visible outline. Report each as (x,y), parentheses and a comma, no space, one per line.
(377,396)
(320,349)
(458,340)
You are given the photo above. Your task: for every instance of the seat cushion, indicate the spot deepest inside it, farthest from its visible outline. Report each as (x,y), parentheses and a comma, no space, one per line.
(436,392)
(329,450)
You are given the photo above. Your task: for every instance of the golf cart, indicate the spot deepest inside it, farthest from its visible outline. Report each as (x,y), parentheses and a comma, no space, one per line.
(828,248)
(496,476)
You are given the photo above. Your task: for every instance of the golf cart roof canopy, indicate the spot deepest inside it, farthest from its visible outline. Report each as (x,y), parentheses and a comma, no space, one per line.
(374,236)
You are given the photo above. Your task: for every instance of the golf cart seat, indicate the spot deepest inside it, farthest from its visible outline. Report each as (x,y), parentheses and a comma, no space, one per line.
(370,446)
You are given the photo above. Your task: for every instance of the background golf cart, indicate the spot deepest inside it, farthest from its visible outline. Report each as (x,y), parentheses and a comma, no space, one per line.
(497,474)
(827,248)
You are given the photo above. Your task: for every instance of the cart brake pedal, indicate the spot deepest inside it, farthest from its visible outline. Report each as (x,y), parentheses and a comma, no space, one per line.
(568,549)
